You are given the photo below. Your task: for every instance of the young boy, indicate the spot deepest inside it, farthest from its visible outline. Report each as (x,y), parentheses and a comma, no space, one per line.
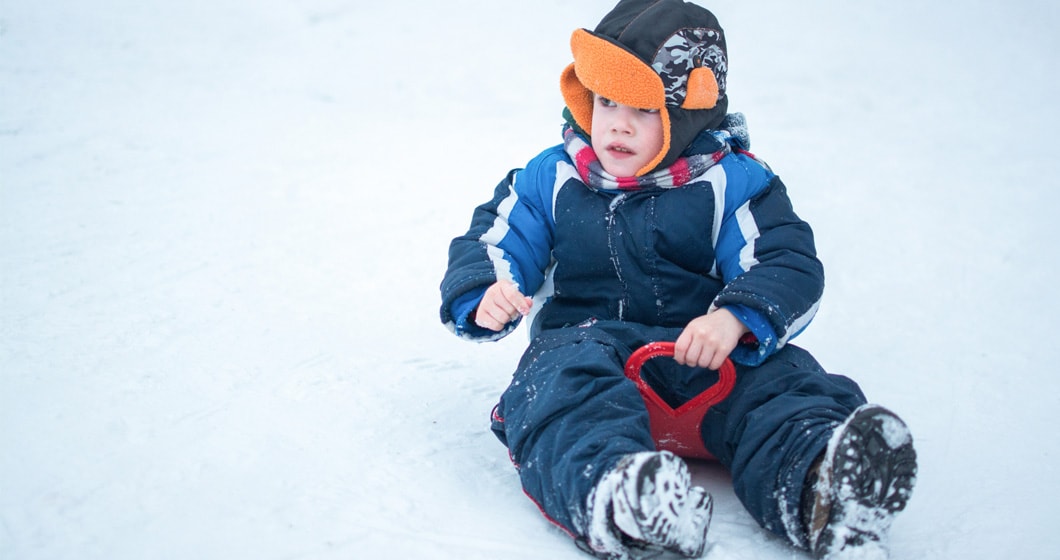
(651,222)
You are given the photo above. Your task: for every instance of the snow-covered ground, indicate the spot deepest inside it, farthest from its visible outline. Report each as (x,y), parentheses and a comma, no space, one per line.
(223,223)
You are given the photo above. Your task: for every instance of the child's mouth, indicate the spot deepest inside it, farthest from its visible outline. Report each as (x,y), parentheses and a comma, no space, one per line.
(620,150)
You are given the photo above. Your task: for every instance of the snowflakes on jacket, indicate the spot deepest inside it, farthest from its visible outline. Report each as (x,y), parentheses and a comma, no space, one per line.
(728,238)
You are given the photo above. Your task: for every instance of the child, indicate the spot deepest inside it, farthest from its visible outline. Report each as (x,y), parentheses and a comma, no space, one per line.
(651,222)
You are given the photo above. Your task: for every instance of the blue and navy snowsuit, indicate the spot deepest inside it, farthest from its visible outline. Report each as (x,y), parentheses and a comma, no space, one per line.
(613,270)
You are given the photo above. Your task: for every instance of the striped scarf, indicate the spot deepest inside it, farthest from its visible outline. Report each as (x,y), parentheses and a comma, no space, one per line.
(685,169)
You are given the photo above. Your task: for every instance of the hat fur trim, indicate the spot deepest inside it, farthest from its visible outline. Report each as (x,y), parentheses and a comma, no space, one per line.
(702,89)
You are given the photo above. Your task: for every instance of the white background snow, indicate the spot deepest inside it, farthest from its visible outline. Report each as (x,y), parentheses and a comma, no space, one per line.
(223,224)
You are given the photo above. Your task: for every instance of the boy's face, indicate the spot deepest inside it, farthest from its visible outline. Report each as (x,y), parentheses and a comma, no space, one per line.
(625,138)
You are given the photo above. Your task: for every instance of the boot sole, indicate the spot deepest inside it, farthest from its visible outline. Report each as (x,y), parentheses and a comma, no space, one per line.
(872,466)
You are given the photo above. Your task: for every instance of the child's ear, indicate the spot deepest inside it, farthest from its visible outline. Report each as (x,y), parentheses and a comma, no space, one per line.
(702,89)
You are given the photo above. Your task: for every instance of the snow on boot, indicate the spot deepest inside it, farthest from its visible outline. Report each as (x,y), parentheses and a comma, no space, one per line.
(866,476)
(647,504)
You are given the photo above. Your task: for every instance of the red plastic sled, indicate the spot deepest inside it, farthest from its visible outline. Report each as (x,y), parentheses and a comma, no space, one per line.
(677,429)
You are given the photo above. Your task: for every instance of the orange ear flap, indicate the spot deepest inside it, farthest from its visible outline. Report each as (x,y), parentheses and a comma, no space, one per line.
(702,89)
(578,98)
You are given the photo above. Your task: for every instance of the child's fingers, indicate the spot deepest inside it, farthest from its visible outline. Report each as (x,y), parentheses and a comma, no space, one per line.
(684,353)
(502,304)
(716,360)
(492,317)
(700,347)
(494,313)
(514,298)
(700,356)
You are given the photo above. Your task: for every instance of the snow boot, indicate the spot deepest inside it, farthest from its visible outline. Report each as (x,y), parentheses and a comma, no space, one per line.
(647,505)
(864,478)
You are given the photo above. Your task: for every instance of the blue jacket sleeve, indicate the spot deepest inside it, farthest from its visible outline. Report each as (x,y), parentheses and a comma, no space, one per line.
(510,238)
(767,259)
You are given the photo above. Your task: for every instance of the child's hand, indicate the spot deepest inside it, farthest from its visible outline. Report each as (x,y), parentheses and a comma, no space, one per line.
(502,304)
(708,339)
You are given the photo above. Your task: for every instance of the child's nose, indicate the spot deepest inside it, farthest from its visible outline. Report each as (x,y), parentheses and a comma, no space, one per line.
(623,121)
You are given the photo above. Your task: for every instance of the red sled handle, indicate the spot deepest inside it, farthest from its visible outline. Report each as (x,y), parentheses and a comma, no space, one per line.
(677,429)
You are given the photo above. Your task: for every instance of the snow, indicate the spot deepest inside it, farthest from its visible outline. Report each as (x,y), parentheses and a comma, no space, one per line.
(223,223)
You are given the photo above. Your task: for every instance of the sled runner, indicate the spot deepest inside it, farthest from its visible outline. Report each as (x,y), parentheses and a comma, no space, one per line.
(677,429)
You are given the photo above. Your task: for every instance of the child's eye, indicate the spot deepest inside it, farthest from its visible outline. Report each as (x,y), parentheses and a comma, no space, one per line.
(605,101)
(650,111)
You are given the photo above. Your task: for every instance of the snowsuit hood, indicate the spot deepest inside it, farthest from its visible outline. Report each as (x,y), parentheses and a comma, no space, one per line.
(668,55)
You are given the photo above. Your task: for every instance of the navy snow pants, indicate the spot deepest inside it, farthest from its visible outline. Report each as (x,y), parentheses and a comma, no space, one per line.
(570,414)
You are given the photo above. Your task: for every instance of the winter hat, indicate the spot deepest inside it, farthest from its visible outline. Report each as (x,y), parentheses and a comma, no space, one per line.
(652,54)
